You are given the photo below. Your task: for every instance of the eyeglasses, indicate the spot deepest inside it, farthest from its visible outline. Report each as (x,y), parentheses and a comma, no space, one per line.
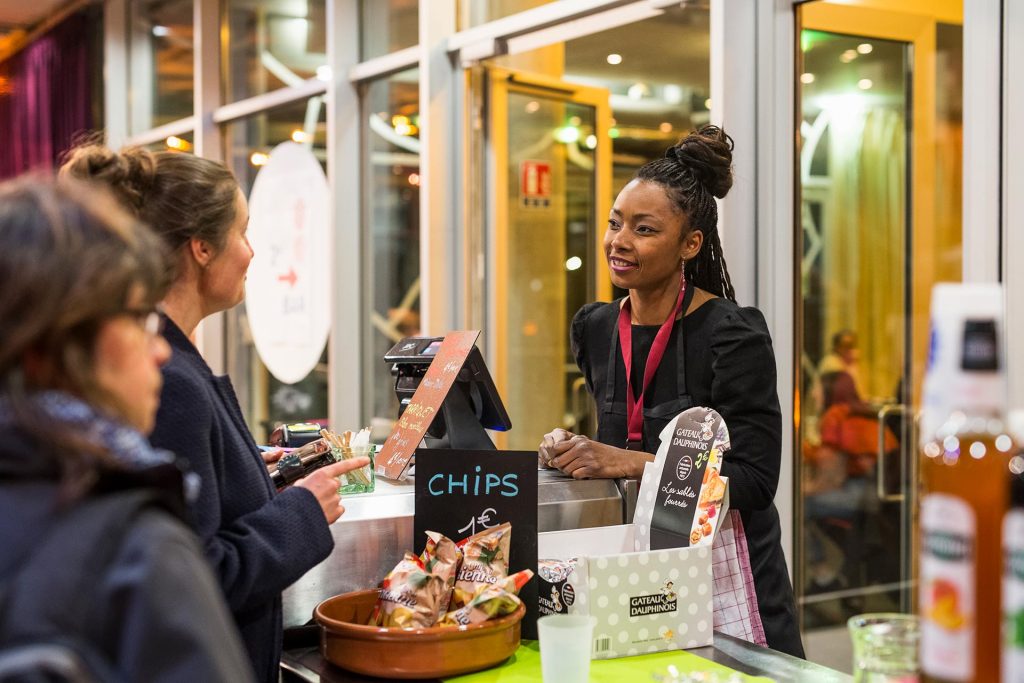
(150,320)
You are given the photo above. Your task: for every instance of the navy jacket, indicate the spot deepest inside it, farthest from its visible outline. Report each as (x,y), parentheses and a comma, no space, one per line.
(258,543)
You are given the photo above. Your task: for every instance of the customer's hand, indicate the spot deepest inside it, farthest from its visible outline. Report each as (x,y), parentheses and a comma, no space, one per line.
(555,443)
(585,458)
(323,483)
(272,455)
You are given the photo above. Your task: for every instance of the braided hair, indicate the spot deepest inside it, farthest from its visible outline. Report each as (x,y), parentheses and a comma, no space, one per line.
(693,172)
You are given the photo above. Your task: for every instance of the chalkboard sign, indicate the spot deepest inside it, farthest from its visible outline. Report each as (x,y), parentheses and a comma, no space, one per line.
(396,454)
(460,493)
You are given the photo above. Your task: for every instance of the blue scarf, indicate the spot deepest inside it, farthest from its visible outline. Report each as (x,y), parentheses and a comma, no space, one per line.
(126,444)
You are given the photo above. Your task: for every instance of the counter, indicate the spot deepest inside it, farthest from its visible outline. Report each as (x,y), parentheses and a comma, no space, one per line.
(303,663)
(376,530)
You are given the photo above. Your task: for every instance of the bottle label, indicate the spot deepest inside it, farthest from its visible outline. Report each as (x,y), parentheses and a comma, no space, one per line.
(1013,596)
(947,599)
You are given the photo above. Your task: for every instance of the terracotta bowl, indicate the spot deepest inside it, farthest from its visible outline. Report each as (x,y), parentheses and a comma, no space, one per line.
(435,652)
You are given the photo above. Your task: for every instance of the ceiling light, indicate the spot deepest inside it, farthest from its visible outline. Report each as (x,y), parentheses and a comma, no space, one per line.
(414,179)
(567,134)
(807,78)
(573,263)
(865,48)
(848,56)
(301,136)
(161,31)
(638,91)
(864,84)
(614,59)
(182,145)
(672,93)
(591,141)
(259,159)
(665,127)
(532,106)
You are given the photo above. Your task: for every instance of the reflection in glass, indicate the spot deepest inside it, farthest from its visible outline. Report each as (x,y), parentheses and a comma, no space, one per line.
(476,12)
(273,44)
(657,74)
(549,255)
(161,62)
(265,401)
(175,143)
(878,223)
(387,26)
(854,209)
(392,202)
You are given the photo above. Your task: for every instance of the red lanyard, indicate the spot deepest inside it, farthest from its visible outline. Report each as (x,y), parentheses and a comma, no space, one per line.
(635,406)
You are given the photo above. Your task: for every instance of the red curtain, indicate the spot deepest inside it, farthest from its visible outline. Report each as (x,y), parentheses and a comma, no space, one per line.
(46,95)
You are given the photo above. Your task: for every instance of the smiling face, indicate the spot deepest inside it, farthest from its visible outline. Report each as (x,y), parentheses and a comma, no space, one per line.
(647,238)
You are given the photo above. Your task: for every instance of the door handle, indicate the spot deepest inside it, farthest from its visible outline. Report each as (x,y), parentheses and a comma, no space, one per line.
(891,409)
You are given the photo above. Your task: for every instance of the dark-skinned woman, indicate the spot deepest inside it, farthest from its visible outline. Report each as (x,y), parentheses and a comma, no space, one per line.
(681,318)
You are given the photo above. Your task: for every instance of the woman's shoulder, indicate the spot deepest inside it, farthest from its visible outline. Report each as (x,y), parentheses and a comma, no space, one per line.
(728,322)
(597,317)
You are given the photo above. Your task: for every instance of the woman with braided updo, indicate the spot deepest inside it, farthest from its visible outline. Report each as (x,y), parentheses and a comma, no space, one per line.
(662,244)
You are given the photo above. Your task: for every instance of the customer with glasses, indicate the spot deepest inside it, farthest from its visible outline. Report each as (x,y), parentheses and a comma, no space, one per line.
(258,542)
(100,578)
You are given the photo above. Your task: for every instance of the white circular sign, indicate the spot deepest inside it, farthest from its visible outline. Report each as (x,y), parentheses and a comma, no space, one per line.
(287,294)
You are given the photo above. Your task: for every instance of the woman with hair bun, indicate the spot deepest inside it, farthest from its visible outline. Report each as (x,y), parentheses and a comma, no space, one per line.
(258,542)
(662,244)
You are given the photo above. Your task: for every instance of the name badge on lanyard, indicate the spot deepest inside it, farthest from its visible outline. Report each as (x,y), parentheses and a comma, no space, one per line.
(635,405)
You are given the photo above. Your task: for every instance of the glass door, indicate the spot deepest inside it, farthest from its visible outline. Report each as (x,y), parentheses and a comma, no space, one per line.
(551,178)
(878,224)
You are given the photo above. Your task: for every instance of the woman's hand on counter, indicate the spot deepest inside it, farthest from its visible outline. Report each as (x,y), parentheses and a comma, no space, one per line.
(585,458)
(323,484)
(554,444)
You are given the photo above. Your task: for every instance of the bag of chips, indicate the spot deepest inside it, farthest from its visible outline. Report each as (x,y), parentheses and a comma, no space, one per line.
(410,596)
(490,601)
(484,562)
(442,557)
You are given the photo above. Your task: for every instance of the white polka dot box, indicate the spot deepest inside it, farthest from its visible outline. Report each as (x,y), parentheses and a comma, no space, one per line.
(640,602)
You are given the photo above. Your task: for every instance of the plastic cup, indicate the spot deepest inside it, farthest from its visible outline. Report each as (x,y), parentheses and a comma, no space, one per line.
(565,641)
(885,647)
(361,480)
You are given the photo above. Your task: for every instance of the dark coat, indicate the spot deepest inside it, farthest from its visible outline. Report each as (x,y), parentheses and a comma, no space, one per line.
(730,367)
(158,614)
(258,543)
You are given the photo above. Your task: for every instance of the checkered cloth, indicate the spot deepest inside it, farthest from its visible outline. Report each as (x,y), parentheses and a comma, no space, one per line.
(735,602)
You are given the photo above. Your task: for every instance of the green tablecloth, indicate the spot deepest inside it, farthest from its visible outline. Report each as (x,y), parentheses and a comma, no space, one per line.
(524,666)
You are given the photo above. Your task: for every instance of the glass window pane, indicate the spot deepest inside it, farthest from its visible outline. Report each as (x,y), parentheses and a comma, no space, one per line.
(160,62)
(273,44)
(387,26)
(878,221)
(475,12)
(265,401)
(391,109)
(655,75)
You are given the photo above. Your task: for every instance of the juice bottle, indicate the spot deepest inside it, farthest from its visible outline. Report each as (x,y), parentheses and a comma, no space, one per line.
(1013,567)
(966,451)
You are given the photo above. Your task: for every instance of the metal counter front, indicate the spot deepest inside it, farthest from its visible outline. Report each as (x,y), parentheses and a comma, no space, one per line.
(376,530)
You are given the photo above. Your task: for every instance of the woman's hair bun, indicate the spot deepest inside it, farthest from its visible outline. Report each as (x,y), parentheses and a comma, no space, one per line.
(707,154)
(129,174)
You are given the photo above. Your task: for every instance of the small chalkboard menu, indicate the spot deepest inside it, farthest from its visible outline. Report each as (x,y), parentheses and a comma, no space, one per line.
(396,454)
(460,493)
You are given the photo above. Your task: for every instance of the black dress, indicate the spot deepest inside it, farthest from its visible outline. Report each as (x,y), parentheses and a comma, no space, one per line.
(726,363)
